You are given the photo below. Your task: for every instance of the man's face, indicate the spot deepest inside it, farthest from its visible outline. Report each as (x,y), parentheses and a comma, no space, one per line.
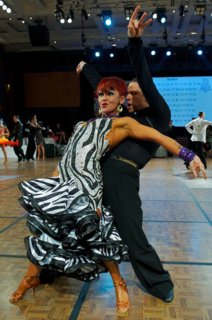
(135,98)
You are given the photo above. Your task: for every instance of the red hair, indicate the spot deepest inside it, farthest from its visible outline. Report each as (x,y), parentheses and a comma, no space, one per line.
(111,83)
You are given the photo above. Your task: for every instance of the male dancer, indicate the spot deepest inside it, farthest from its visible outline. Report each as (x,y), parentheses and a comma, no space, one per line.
(122,164)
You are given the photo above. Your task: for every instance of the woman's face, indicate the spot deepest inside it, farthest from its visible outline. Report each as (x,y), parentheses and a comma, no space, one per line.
(109,100)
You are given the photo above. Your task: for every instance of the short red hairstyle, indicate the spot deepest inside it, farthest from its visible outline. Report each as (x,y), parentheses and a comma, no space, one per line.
(111,83)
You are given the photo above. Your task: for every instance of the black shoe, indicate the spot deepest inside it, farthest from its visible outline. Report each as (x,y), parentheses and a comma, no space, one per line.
(169,297)
(19,159)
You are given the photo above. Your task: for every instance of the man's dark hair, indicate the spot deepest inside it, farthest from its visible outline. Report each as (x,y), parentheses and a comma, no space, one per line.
(134,80)
(200,114)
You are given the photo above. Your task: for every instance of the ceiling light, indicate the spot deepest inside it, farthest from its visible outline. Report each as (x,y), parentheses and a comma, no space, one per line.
(168,52)
(199,52)
(161,15)
(97,54)
(70,16)
(106,17)
(153,52)
(200,9)
(154,15)
(1,3)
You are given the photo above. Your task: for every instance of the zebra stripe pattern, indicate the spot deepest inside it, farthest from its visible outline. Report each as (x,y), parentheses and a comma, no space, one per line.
(68,236)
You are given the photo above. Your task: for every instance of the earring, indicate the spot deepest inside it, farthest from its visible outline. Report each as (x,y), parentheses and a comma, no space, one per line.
(119,108)
(100,111)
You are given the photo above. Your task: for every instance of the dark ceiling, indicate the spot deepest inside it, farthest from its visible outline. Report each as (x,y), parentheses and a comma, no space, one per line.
(183,27)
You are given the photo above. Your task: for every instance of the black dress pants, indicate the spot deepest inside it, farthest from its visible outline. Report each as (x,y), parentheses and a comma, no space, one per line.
(120,193)
(18,150)
(30,148)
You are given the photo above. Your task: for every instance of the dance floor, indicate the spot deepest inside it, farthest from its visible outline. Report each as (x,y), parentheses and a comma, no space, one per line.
(177,221)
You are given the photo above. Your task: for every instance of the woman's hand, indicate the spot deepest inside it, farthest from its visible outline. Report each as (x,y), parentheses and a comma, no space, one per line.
(80,66)
(197,166)
(136,27)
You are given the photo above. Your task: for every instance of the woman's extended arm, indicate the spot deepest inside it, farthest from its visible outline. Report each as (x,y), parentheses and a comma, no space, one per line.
(126,127)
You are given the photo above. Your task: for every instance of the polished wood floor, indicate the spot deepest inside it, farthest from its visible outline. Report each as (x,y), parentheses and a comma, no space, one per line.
(177,221)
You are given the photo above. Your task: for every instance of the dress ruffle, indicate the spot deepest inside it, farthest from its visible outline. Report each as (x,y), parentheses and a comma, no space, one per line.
(6,142)
(68,235)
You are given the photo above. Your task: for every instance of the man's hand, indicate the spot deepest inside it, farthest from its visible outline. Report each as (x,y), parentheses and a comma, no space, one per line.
(197,166)
(80,66)
(136,27)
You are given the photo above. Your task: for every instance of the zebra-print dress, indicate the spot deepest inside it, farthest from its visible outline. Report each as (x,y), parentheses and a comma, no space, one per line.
(68,236)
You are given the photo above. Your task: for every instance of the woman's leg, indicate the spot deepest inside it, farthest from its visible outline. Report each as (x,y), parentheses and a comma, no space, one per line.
(38,152)
(30,280)
(4,153)
(43,152)
(122,298)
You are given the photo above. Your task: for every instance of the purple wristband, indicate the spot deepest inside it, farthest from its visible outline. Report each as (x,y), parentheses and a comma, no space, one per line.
(186,154)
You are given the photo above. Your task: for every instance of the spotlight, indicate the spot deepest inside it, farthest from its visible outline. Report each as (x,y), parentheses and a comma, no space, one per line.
(168,53)
(59,14)
(108,21)
(199,52)
(97,54)
(1,3)
(154,15)
(112,55)
(106,17)
(161,15)
(153,52)
(163,19)
(70,17)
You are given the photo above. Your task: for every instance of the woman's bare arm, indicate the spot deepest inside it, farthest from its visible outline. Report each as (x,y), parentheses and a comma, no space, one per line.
(126,127)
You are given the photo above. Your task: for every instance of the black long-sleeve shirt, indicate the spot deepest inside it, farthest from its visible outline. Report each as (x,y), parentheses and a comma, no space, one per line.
(157,115)
(17,131)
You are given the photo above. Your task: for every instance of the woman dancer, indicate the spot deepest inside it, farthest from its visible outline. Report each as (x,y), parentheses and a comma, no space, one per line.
(39,140)
(73,233)
(4,141)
